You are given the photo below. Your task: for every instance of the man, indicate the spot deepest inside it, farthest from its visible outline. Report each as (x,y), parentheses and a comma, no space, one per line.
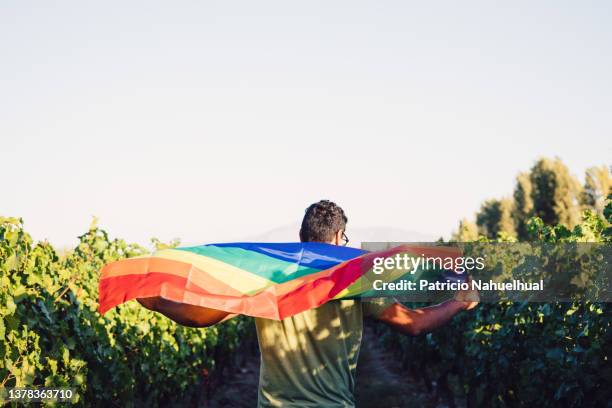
(310,359)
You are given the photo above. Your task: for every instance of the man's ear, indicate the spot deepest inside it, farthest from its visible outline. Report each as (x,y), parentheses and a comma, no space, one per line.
(338,237)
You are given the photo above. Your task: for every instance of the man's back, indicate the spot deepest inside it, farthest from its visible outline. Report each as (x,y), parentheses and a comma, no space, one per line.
(310,359)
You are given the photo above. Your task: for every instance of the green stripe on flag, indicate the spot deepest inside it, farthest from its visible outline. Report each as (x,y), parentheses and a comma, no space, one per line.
(267,267)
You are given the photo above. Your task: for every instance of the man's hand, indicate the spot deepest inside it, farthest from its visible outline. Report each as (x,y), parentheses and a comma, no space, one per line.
(470,297)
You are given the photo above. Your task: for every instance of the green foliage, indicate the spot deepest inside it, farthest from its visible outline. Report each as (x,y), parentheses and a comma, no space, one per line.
(523,354)
(158,245)
(523,204)
(549,192)
(52,335)
(467,231)
(495,217)
(555,193)
(597,185)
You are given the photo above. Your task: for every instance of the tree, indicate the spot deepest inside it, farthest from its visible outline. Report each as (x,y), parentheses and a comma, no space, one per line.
(523,204)
(555,193)
(495,216)
(467,231)
(597,186)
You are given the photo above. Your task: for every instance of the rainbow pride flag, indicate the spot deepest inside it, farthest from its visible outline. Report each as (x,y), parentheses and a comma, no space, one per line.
(268,280)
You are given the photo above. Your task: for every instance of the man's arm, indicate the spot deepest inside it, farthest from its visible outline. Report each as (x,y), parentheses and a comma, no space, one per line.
(420,321)
(186,315)
(424,320)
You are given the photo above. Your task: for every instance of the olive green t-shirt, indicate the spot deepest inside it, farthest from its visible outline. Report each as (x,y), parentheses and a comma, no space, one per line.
(310,359)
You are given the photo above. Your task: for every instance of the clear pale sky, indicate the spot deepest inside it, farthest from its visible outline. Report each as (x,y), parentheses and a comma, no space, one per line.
(213,121)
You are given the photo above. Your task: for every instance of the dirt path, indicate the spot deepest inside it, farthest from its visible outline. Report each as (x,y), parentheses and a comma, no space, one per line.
(380,383)
(239,391)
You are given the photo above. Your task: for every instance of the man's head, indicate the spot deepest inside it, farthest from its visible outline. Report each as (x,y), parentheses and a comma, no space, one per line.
(324,222)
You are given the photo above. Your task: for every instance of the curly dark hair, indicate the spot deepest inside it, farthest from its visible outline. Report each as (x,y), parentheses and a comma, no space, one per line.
(322,221)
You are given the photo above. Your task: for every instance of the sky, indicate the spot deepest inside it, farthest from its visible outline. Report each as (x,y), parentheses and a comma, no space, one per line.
(215,121)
